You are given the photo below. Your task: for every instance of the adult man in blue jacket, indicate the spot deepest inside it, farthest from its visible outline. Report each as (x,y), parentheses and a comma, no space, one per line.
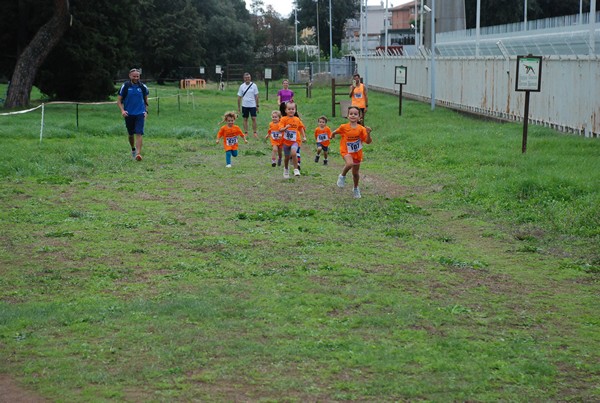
(132,100)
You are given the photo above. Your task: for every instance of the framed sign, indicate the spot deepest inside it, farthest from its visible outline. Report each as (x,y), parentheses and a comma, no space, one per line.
(201,70)
(529,73)
(400,76)
(218,69)
(268,74)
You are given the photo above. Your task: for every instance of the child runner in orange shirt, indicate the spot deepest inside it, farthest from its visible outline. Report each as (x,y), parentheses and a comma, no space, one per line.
(276,138)
(352,136)
(322,135)
(292,128)
(230,133)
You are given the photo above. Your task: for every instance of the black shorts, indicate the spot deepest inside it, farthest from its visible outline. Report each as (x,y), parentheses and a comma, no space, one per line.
(248,112)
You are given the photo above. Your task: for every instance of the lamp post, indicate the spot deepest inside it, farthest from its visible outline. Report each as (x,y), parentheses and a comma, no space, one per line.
(330,37)
(318,40)
(296,27)
(432,55)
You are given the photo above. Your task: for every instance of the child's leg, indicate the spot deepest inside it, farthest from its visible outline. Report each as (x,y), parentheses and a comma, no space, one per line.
(348,164)
(355,174)
(234,153)
(294,156)
(228,157)
(274,153)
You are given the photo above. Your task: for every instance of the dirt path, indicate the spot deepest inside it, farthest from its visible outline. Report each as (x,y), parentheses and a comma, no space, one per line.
(12,392)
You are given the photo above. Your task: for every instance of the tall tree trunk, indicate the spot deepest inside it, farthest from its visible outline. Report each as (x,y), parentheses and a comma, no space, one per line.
(29,62)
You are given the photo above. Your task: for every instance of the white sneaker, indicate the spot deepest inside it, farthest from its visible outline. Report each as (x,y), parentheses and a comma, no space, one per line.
(133,153)
(357,193)
(286,173)
(341,182)
(228,166)
(296,172)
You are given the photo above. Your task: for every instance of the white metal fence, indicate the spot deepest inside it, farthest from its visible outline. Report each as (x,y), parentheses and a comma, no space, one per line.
(477,73)
(568,100)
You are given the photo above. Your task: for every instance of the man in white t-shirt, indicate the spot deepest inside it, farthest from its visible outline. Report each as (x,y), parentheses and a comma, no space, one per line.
(248,102)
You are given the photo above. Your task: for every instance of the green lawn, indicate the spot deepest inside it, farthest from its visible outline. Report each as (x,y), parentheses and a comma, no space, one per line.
(467,272)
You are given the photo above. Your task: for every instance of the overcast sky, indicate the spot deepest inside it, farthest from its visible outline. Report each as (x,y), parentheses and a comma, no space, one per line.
(286,7)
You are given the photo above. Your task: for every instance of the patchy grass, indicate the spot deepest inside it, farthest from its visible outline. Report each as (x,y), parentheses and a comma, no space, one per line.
(466,272)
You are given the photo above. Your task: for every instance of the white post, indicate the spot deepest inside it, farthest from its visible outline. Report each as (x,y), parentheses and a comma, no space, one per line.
(478,28)
(525,15)
(385,22)
(330,38)
(432,55)
(296,27)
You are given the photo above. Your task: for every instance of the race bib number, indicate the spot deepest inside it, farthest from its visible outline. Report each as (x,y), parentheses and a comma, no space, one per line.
(322,137)
(231,141)
(354,146)
(275,135)
(291,135)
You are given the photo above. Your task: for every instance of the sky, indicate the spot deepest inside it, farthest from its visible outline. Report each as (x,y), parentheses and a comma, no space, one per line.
(286,7)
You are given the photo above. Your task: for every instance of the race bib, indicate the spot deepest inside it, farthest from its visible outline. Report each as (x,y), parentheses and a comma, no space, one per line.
(290,135)
(275,135)
(231,141)
(354,146)
(322,137)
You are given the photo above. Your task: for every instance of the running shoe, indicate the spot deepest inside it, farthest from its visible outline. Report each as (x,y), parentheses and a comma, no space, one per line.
(228,166)
(138,157)
(273,164)
(324,162)
(341,182)
(133,153)
(296,172)
(279,162)
(316,158)
(357,193)
(286,173)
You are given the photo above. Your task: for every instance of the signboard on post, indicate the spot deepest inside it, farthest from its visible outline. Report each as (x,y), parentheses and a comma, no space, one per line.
(529,78)
(400,78)
(268,74)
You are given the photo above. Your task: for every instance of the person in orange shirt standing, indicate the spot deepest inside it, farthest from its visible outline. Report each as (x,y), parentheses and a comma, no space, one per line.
(358,93)
(292,128)
(352,136)
(322,135)
(229,133)
(276,138)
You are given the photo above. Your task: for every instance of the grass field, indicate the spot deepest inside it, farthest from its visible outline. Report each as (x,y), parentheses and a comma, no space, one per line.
(467,272)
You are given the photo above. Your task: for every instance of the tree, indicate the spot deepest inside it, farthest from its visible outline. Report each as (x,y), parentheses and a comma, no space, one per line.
(32,57)
(341,11)
(85,62)
(273,34)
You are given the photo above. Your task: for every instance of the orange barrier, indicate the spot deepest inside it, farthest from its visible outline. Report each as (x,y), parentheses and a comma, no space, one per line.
(191,83)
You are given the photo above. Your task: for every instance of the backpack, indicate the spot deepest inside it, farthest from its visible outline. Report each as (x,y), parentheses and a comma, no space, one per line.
(128,84)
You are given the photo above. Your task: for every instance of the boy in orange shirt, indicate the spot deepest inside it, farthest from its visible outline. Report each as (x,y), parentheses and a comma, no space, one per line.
(352,136)
(276,138)
(229,133)
(292,128)
(322,135)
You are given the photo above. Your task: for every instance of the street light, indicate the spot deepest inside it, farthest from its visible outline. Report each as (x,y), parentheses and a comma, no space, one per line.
(318,40)
(296,28)
(432,9)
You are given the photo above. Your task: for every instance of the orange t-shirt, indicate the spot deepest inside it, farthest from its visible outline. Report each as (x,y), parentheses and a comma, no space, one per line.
(293,134)
(323,135)
(358,96)
(275,135)
(230,136)
(351,140)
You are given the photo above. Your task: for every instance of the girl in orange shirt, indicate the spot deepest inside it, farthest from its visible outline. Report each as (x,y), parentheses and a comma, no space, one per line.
(276,138)
(292,128)
(230,133)
(352,136)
